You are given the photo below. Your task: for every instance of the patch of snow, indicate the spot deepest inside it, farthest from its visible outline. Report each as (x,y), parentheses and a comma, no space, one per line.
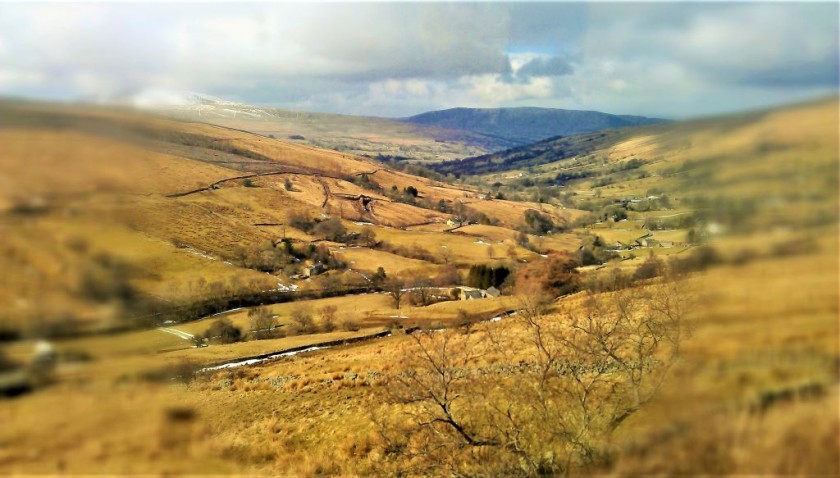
(176,332)
(226,312)
(255,361)
(286,288)
(196,252)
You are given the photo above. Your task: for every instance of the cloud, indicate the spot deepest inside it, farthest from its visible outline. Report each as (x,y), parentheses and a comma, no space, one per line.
(541,66)
(665,59)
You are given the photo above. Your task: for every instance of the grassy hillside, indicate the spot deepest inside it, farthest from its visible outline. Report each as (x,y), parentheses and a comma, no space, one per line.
(348,134)
(429,137)
(741,173)
(113,215)
(695,329)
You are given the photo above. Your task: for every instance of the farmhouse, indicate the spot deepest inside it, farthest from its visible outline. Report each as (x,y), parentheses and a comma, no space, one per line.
(314,270)
(492,292)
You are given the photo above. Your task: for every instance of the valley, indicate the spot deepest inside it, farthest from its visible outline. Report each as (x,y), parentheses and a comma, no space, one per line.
(242,303)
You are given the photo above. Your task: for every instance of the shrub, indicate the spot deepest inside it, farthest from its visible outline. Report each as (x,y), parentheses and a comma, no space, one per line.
(302,321)
(300,220)
(650,268)
(328,313)
(537,223)
(553,276)
(700,259)
(224,332)
(350,325)
(331,230)
(261,322)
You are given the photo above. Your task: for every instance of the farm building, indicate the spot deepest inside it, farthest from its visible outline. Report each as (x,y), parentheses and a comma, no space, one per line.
(471,294)
(314,270)
(492,292)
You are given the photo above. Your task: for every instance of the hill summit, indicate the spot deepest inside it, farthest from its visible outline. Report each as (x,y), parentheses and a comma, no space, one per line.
(520,126)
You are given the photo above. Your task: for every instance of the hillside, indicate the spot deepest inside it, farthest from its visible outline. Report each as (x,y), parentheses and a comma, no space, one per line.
(105,206)
(359,135)
(670,290)
(520,126)
(430,137)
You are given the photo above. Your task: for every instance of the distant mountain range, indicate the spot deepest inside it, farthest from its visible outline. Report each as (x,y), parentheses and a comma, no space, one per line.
(521,126)
(433,136)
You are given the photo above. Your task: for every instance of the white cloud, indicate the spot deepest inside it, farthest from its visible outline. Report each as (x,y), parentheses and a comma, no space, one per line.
(493,90)
(399,59)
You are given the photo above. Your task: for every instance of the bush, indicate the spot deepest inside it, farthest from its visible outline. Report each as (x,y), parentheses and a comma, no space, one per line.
(650,268)
(700,259)
(328,313)
(224,332)
(261,322)
(302,321)
(350,325)
(554,276)
(300,220)
(537,223)
(331,230)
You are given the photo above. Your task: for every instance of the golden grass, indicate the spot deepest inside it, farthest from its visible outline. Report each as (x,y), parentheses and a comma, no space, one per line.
(56,163)
(220,353)
(765,325)
(368,260)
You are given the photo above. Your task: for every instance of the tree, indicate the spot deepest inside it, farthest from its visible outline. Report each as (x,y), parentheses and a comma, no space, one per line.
(561,384)
(367,237)
(554,276)
(287,184)
(537,223)
(332,230)
(261,322)
(302,322)
(650,268)
(328,314)
(378,277)
(483,276)
(522,240)
(421,293)
(395,288)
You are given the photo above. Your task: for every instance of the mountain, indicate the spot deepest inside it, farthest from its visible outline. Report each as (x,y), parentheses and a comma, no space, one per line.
(357,135)
(434,136)
(520,126)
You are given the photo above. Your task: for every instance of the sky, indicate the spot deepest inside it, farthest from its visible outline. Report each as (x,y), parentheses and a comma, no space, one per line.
(671,60)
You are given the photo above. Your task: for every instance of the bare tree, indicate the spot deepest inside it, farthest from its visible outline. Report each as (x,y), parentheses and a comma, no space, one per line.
(261,323)
(395,288)
(421,293)
(302,322)
(328,314)
(544,392)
